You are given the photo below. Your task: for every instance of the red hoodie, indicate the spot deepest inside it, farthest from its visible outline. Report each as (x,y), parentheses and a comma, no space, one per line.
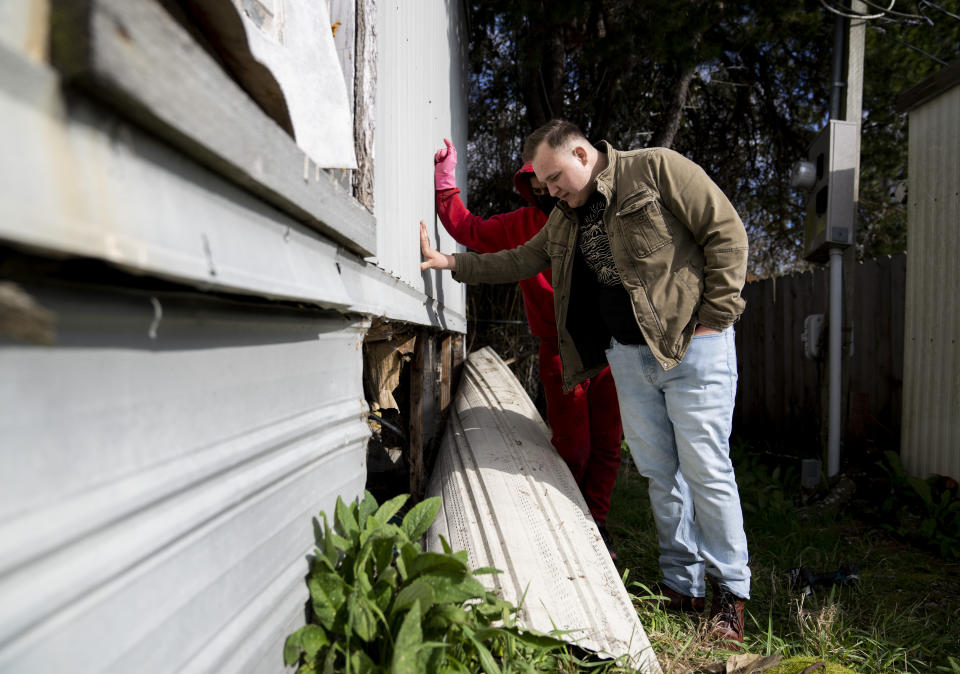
(502,232)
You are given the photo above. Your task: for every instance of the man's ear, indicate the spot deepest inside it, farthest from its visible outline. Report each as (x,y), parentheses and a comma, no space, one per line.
(581,154)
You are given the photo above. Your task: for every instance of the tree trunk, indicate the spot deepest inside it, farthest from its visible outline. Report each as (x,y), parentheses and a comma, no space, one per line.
(543,56)
(670,122)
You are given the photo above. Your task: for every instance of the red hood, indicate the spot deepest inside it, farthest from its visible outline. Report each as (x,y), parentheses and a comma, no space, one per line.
(521,183)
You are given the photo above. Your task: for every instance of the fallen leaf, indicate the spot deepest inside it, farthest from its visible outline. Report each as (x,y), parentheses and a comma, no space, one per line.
(748,663)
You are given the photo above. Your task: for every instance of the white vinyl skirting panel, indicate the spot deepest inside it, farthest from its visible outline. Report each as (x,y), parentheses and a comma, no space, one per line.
(512,503)
(159,469)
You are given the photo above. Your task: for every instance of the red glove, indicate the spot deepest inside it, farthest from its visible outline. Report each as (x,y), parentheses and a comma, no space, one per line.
(444,167)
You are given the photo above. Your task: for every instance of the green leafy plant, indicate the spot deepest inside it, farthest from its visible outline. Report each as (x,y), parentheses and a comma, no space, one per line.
(379,603)
(922,510)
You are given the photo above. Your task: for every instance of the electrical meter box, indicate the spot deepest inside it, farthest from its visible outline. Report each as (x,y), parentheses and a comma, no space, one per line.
(831,205)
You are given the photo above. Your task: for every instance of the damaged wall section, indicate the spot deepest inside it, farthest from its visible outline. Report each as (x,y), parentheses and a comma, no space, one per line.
(409,377)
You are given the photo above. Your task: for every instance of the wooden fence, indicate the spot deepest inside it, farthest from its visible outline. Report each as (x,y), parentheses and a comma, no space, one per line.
(783,395)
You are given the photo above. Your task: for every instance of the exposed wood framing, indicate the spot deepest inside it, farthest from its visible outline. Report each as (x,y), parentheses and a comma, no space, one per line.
(22,318)
(446,363)
(451,366)
(136,56)
(364,100)
(458,353)
(416,450)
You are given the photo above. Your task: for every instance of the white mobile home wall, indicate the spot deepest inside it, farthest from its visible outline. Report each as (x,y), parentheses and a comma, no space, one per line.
(421,99)
(193,395)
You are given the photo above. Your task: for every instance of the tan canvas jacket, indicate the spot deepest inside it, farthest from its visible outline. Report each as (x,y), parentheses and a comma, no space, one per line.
(677,242)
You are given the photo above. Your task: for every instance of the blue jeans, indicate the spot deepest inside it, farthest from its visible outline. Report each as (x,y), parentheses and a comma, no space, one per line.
(677,424)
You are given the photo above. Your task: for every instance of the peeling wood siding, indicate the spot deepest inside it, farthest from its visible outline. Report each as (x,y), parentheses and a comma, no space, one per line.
(931,385)
(82,181)
(153,71)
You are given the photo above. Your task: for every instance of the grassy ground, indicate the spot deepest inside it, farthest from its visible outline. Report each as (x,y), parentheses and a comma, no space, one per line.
(904,616)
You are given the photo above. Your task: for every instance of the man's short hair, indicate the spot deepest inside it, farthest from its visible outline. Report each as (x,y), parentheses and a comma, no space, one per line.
(554,133)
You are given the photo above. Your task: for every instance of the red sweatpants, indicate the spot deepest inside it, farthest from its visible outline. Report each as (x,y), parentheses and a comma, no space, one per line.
(586,429)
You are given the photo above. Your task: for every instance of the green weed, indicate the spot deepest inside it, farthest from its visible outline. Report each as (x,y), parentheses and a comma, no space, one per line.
(379,603)
(924,511)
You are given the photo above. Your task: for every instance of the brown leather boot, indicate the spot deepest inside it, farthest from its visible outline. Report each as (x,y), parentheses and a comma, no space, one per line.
(675,601)
(726,612)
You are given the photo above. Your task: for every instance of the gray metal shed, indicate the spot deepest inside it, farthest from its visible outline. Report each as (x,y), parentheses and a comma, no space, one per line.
(931,370)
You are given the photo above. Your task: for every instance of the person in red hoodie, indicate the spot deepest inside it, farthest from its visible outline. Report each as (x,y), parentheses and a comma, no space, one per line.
(586,420)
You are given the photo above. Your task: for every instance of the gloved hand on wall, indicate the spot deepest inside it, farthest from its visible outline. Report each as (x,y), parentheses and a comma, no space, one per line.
(444,167)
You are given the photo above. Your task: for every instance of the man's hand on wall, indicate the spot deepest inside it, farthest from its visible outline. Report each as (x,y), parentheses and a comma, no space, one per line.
(433,259)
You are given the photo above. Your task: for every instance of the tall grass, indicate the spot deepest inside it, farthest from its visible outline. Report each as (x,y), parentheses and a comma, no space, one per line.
(904,615)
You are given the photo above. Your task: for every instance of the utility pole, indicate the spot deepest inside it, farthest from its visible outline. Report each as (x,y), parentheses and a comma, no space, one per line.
(853,111)
(846,103)
(831,174)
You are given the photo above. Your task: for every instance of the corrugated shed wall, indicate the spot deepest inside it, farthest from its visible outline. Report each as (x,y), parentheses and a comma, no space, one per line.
(159,476)
(931,383)
(421,99)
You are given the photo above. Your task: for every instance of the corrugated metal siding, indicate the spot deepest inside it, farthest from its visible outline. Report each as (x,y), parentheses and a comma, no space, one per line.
(421,99)
(156,493)
(931,382)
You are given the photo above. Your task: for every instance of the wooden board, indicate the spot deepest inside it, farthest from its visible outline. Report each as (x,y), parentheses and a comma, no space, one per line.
(133,54)
(283,53)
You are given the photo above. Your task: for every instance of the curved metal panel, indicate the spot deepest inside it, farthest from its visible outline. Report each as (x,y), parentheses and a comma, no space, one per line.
(511,502)
(159,468)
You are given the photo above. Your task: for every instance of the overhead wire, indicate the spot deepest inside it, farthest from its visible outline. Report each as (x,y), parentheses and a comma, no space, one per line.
(911,46)
(851,15)
(927,3)
(889,15)
(890,11)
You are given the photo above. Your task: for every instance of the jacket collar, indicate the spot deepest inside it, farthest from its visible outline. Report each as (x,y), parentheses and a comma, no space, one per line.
(605,180)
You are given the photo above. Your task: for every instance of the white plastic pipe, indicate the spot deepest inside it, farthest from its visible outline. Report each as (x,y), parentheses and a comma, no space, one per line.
(836,348)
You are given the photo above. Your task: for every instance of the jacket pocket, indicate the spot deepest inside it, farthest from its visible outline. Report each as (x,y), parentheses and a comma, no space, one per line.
(689,294)
(556,250)
(644,227)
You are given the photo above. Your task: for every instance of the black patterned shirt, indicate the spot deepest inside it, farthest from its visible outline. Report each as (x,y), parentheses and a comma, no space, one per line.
(613,303)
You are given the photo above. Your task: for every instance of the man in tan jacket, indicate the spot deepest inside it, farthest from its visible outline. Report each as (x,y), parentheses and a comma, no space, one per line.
(648,259)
